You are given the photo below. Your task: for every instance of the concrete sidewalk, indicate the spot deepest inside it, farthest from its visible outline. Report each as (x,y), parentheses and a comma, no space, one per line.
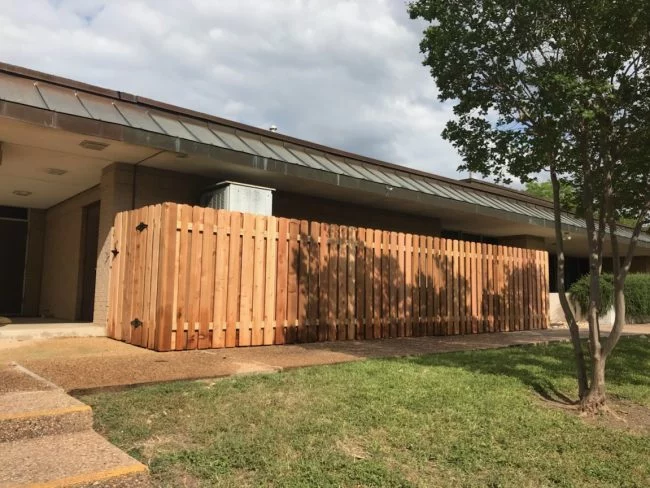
(89,363)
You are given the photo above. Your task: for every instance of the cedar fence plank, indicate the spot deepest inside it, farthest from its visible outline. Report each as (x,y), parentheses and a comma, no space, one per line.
(271,280)
(259,281)
(234,272)
(206,300)
(314,273)
(246,291)
(203,278)
(282,281)
(369,286)
(408,284)
(395,282)
(221,280)
(333,285)
(401,288)
(182,291)
(323,283)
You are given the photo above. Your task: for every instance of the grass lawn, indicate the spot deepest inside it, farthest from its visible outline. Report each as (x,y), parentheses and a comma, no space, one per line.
(458,419)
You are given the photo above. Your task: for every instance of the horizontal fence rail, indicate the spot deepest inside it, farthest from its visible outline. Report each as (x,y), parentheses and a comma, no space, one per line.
(187,277)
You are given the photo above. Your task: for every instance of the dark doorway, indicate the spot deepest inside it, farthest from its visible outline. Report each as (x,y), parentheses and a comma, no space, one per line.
(13,246)
(90,240)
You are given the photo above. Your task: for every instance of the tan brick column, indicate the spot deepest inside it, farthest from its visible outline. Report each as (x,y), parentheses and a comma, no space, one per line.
(116,189)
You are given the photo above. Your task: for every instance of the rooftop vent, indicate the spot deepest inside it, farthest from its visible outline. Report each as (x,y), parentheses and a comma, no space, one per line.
(273,128)
(56,171)
(93,145)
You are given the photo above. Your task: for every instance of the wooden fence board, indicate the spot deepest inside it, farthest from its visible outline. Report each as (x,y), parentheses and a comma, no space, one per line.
(394,282)
(333,264)
(360,281)
(314,272)
(259,281)
(303,281)
(270,280)
(221,280)
(234,271)
(202,278)
(282,281)
(369,277)
(323,283)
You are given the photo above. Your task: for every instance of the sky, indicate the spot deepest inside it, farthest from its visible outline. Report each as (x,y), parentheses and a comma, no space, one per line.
(344,73)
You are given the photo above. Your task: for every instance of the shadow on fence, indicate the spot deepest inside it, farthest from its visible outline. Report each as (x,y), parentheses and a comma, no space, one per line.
(189,277)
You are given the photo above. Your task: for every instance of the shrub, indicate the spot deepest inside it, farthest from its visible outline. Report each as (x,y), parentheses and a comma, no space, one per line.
(580,292)
(637,295)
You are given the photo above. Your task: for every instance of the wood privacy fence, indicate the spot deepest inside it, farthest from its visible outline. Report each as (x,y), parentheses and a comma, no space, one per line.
(190,277)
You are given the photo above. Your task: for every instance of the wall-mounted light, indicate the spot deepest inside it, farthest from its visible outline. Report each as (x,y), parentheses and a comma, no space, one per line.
(22,193)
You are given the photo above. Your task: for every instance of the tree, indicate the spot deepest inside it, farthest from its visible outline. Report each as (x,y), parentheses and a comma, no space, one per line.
(559,87)
(544,189)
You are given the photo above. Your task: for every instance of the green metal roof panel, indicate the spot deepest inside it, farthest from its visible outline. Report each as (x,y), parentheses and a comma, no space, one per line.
(203,134)
(63,99)
(20,90)
(137,117)
(257,146)
(282,153)
(100,110)
(229,138)
(172,126)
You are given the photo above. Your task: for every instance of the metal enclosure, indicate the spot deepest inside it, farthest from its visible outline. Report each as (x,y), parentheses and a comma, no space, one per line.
(239,197)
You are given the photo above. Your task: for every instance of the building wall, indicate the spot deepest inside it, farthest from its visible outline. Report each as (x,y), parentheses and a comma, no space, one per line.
(296,206)
(124,187)
(60,293)
(524,241)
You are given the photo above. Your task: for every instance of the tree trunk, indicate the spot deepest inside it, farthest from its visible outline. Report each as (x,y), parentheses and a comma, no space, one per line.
(595,398)
(581,370)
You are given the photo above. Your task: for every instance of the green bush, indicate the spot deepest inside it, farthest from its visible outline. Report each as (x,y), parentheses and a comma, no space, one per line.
(580,293)
(637,295)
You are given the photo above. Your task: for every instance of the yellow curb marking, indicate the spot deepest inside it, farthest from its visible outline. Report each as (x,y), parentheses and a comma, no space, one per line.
(89,477)
(44,413)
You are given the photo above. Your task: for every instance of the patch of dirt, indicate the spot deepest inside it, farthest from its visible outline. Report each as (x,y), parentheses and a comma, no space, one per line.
(351,448)
(618,414)
(181,478)
(156,444)
(622,415)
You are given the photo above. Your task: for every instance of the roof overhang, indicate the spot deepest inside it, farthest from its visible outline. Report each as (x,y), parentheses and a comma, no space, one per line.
(213,149)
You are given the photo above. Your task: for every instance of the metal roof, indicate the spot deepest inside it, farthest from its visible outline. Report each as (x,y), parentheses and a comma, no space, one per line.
(77,99)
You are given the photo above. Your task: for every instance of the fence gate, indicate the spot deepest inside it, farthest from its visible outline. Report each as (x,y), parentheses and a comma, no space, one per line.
(187,277)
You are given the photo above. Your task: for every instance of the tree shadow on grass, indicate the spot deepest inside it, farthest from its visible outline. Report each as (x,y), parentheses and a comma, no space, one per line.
(549,369)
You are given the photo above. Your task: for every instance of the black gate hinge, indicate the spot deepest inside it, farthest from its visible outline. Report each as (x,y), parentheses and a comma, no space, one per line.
(141,226)
(136,322)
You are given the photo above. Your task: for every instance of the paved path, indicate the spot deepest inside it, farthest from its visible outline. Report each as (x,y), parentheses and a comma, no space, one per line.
(88,363)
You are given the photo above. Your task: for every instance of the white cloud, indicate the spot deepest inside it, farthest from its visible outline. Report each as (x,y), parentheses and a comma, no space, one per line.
(338,72)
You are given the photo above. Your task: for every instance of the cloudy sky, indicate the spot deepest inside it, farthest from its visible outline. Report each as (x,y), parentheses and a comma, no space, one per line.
(345,73)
